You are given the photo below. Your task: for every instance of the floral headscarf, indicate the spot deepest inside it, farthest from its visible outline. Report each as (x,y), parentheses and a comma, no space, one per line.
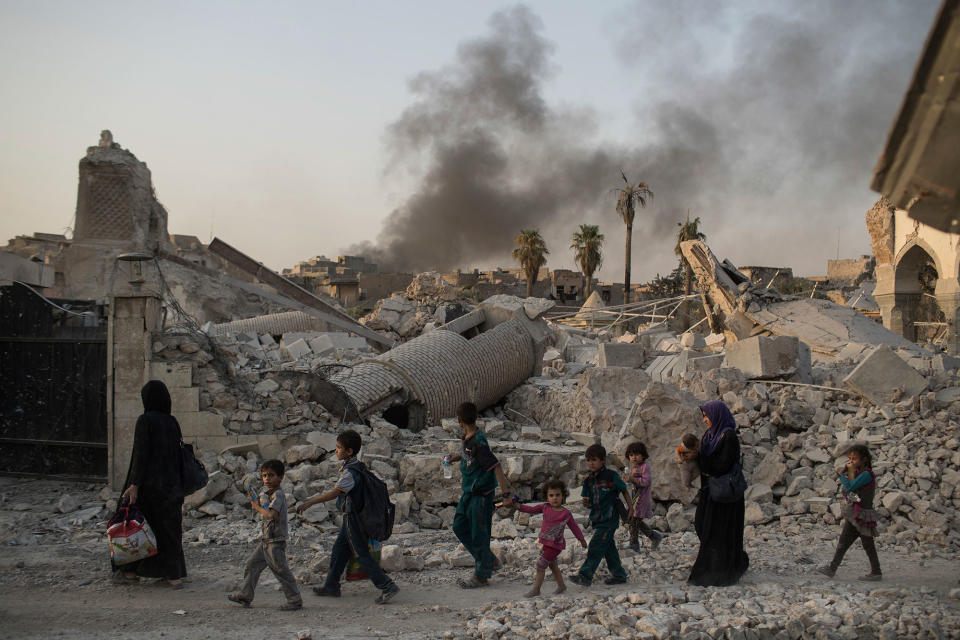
(721,421)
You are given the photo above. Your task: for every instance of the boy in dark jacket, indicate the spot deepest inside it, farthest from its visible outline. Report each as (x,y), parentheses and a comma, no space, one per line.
(601,489)
(480,473)
(351,540)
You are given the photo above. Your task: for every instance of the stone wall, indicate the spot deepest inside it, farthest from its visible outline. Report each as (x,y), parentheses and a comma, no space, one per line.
(850,271)
(132,319)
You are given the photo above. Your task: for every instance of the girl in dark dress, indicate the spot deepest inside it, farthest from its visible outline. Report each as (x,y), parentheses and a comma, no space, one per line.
(153,484)
(721,559)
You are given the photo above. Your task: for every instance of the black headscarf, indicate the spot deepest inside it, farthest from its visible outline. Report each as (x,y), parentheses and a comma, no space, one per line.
(155,397)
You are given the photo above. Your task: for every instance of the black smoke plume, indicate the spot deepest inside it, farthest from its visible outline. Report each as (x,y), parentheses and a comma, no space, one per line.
(765,120)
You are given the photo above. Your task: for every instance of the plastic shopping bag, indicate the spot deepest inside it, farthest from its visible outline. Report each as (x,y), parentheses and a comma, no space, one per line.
(354,571)
(130,536)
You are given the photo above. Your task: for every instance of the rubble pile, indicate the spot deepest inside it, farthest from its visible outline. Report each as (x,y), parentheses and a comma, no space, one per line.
(428,302)
(243,379)
(767,610)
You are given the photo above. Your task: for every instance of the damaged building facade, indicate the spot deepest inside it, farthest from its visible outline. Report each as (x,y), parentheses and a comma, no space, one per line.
(917,222)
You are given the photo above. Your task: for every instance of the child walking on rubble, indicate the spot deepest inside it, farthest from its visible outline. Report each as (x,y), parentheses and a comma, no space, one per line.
(272,550)
(556,519)
(859,519)
(638,475)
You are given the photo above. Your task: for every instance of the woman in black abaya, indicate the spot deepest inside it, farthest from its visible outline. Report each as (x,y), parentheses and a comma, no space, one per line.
(153,484)
(721,559)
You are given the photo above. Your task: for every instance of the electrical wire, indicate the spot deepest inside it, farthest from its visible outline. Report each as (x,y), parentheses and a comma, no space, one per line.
(50,302)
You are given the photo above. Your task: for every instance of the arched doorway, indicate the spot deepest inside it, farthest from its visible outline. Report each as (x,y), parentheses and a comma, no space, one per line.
(917,311)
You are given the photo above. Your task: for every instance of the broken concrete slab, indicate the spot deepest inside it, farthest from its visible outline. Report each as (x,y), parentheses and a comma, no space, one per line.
(768,357)
(881,373)
(706,363)
(662,365)
(621,355)
(584,353)
(322,345)
(298,349)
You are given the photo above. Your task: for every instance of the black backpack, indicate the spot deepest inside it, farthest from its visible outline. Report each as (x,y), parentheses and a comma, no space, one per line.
(371,502)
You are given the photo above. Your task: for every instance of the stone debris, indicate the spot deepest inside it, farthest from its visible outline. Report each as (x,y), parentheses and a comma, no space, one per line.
(739,309)
(882,377)
(766,357)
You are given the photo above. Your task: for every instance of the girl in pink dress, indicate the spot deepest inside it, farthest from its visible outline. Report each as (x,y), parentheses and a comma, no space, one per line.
(638,475)
(555,520)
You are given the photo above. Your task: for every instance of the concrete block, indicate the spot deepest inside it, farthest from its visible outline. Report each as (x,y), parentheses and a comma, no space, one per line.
(267,340)
(580,353)
(706,363)
(621,355)
(184,400)
(172,374)
(943,362)
(661,366)
(880,373)
(343,340)
(768,357)
(693,341)
(322,345)
(326,441)
(298,349)
(270,446)
(201,423)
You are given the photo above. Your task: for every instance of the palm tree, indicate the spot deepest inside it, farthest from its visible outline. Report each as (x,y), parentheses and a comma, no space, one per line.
(689,230)
(531,253)
(627,198)
(587,246)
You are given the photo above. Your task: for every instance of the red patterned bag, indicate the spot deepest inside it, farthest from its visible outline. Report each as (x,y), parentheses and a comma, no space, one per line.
(129,536)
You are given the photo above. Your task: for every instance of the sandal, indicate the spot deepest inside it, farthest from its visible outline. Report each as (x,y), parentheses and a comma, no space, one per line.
(472,583)
(236,597)
(121,577)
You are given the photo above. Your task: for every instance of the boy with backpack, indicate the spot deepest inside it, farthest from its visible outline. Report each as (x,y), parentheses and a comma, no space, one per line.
(356,528)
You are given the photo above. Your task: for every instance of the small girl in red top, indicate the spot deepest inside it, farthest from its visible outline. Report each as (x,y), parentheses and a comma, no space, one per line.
(555,520)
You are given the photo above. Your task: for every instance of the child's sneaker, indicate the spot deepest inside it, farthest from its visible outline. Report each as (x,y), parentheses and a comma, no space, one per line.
(827,570)
(633,546)
(387,593)
(612,580)
(578,580)
(291,606)
(323,592)
(236,597)
(655,543)
(872,577)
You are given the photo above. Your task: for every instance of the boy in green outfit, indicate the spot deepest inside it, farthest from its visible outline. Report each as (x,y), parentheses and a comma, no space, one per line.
(480,473)
(600,492)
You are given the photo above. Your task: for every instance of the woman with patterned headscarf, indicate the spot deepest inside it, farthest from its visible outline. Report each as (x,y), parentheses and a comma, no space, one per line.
(721,559)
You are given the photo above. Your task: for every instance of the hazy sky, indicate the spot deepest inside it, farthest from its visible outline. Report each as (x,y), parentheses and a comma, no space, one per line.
(429,133)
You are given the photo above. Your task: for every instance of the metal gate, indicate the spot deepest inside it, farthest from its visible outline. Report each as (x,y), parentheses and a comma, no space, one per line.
(53,386)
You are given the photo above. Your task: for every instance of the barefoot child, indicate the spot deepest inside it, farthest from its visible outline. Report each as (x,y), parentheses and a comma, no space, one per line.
(601,489)
(638,474)
(272,550)
(687,459)
(859,518)
(555,519)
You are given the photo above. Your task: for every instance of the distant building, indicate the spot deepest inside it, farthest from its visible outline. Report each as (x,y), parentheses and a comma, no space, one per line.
(850,272)
(338,279)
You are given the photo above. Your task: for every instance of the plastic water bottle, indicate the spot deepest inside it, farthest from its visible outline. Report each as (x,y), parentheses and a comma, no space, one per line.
(447,467)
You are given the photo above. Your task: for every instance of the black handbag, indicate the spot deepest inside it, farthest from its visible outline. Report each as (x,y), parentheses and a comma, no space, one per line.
(193,476)
(729,487)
